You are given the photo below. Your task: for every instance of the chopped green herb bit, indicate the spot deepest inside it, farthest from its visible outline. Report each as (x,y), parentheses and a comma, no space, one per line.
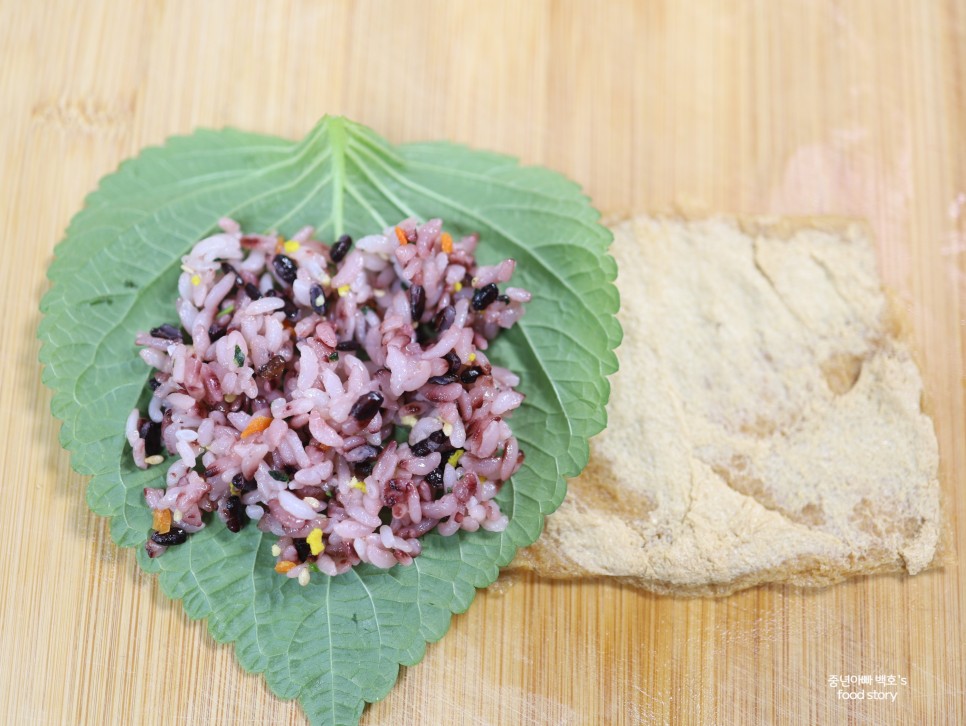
(333,356)
(278,475)
(239,357)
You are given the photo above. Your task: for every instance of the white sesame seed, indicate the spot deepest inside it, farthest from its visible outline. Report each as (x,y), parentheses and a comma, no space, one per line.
(154,460)
(276,550)
(177,515)
(230,397)
(312,502)
(304,577)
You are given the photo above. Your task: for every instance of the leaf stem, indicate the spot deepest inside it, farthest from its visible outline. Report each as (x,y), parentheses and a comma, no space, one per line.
(338,141)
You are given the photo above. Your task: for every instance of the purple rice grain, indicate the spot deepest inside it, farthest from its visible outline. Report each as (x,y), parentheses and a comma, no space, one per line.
(272,369)
(166,331)
(444,319)
(366,407)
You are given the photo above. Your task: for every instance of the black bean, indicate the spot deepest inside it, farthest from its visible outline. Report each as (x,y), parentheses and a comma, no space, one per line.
(504,299)
(166,331)
(444,318)
(432,443)
(317,299)
(417,302)
(150,431)
(454,362)
(364,468)
(435,479)
(341,248)
(153,383)
(485,295)
(242,484)
(273,369)
(443,380)
(385,516)
(252,291)
(285,268)
(173,536)
(346,345)
(290,311)
(235,515)
(366,406)
(272,292)
(302,548)
(216,332)
(470,375)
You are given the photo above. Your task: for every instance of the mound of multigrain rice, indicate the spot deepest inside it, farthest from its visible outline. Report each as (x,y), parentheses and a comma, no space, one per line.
(339,396)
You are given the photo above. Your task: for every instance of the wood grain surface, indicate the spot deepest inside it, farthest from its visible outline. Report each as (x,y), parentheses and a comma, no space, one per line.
(854,108)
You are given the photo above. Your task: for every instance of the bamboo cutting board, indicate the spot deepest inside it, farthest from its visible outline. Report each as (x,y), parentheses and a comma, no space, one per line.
(753,107)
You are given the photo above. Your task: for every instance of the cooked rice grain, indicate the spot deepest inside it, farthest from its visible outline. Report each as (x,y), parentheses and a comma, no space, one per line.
(339,396)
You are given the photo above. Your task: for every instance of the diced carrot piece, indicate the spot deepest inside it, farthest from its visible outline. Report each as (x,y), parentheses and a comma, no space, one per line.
(401,236)
(256,425)
(284,566)
(446,242)
(161,521)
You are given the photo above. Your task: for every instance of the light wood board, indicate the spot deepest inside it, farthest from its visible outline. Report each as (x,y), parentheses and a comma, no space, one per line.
(798,107)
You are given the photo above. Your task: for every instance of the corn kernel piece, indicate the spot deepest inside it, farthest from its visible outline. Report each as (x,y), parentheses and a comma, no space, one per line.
(196,279)
(314,541)
(291,247)
(343,290)
(455,457)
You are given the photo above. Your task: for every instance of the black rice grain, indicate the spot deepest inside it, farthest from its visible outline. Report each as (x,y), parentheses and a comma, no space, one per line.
(417,302)
(341,248)
(173,536)
(235,516)
(432,443)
